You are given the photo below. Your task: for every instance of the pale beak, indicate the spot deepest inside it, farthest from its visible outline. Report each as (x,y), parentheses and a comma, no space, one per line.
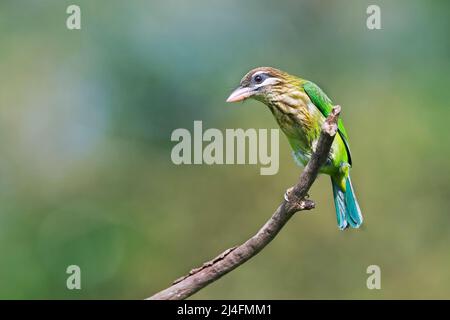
(240,94)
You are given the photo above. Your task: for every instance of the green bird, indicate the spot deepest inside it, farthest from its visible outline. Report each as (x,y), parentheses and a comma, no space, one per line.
(300,107)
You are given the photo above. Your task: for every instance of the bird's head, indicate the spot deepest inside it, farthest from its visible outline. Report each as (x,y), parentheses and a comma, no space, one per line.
(265,84)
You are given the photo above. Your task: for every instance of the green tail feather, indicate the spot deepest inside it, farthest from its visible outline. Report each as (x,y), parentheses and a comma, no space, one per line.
(348,212)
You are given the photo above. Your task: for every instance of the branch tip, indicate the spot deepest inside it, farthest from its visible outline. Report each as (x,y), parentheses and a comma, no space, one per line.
(330,126)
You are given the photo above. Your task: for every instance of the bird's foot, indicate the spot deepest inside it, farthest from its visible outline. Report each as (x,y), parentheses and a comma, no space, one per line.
(298,204)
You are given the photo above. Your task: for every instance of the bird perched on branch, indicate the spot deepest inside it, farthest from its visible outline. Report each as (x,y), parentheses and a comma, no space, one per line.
(300,107)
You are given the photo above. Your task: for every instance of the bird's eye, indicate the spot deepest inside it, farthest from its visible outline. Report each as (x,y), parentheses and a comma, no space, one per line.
(258,78)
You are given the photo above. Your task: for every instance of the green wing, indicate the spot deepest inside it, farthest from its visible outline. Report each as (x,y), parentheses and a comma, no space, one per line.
(324,104)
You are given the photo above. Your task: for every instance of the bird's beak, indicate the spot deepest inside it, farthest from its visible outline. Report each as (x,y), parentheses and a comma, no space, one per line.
(241,93)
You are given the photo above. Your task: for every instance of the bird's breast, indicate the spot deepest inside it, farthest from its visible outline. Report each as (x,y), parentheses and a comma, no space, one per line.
(300,121)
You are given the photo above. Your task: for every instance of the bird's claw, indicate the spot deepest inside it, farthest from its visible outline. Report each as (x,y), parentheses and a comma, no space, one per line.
(299,204)
(289,192)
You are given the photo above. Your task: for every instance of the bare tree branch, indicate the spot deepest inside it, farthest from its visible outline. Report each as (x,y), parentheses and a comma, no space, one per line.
(295,200)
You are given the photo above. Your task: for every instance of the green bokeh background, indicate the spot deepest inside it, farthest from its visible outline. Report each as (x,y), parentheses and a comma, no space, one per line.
(85,171)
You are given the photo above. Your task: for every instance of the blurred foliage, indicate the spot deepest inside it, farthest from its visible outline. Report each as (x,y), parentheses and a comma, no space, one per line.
(85,124)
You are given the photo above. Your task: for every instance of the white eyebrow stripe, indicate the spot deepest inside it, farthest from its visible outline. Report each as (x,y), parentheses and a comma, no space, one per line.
(268,81)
